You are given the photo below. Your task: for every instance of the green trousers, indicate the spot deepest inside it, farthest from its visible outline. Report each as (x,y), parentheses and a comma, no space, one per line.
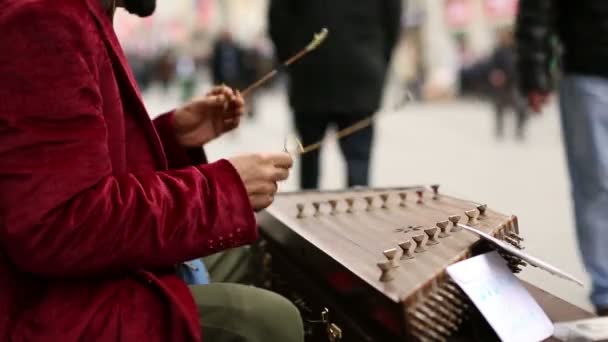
(231,311)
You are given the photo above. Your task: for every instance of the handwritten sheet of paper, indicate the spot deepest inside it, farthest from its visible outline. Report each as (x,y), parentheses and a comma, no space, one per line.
(501,298)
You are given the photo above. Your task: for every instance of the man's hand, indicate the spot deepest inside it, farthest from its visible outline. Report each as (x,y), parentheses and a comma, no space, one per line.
(260,174)
(208,117)
(536,100)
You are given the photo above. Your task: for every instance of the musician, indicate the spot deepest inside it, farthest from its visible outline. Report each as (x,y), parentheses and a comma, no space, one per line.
(581,27)
(98,204)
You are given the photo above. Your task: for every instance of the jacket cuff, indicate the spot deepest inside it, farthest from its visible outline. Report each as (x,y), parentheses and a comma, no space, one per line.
(232,200)
(177,156)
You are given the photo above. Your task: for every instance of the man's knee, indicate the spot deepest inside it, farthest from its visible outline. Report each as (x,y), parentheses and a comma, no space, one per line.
(273,317)
(247,313)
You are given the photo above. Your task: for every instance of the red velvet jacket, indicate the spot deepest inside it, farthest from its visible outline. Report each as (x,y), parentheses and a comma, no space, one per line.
(97,202)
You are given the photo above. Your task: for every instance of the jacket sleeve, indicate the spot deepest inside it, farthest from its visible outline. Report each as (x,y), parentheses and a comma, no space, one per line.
(177,156)
(63,211)
(393,11)
(535,27)
(281,17)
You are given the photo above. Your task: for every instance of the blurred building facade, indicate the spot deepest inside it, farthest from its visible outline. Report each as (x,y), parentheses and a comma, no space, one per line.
(439,35)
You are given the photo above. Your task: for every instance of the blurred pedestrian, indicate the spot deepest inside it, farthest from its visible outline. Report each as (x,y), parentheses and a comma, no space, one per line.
(186,73)
(165,69)
(341,82)
(503,83)
(227,62)
(581,27)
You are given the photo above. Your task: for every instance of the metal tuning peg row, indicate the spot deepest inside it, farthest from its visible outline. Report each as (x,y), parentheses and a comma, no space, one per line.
(300,208)
(420,242)
(403,198)
(334,206)
(472,215)
(384,198)
(455,219)
(370,202)
(406,248)
(444,228)
(387,271)
(391,255)
(435,188)
(432,234)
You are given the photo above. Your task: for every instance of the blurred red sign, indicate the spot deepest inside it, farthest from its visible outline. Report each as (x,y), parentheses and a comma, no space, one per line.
(501,8)
(458,12)
(204,11)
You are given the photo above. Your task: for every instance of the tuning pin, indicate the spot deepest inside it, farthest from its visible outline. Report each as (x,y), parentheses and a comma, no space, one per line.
(387,273)
(452,288)
(472,215)
(454,219)
(435,188)
(420,194)
(317,207)
(423,333)
(482,209)
(513,242)
(406,247)
(384,198)
(334,206)
(443,321)
(370,201)
(456,300)
(432,234)
(515,236)
(350,202)
(419,239)
(442,310)
(390,254)
(403,198)
(300,207)
(444,302)
(444,229)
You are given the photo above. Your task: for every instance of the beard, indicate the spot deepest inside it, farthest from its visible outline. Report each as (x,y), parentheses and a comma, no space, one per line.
(141,8)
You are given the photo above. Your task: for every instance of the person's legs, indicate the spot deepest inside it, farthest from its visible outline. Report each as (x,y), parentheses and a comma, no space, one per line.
(311,128)
(237,312)
(521,111)
(499,112)
(237,265)
(584,109)
(240,313)
(357,149)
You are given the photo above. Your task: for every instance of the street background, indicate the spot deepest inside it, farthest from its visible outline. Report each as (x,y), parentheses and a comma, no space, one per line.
(443,137)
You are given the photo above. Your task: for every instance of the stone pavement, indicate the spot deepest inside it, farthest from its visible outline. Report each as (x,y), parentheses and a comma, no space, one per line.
(451,144)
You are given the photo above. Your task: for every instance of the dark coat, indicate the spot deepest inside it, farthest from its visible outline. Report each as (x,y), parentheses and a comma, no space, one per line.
(227,64)
(582,29)
(347,73)
(98,202)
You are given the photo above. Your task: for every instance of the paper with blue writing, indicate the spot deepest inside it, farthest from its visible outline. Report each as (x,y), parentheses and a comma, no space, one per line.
(501,298)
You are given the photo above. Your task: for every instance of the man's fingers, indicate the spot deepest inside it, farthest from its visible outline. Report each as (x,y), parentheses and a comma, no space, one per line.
(260,202)
(214,100)
(231,123)
(262,188)
(280,174)
(281,159)
(221,89)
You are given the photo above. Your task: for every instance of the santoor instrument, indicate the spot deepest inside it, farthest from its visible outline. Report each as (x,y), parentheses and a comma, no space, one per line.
(371,262)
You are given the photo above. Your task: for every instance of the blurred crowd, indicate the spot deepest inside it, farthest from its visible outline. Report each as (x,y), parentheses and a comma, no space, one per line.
(229,62)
